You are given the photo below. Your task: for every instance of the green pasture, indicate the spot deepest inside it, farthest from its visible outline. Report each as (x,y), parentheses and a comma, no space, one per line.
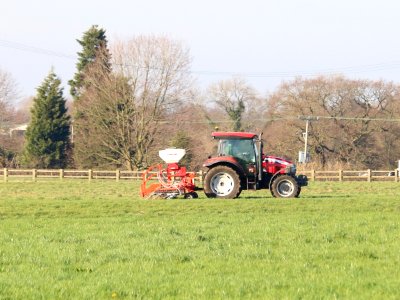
(100,240)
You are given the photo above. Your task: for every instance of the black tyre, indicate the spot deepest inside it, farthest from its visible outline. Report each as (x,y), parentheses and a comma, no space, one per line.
(298,192)
(222,182)
(192,195)
(285,186)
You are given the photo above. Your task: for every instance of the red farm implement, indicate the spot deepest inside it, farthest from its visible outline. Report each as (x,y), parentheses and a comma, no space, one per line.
(171,181)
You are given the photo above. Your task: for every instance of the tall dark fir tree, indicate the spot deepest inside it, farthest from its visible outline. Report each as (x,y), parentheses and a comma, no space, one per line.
(93,65)
(48,134)
(94,49)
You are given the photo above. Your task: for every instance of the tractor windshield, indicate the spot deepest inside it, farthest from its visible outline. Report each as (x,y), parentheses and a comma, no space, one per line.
(242,149)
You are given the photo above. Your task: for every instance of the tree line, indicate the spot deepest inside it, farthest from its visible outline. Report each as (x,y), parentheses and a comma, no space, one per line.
(139,96)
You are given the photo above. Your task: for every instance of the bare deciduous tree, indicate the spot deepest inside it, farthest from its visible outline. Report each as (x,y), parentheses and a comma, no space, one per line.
(232,96)
(107,128)
(353,140)
(122,111)
(157,70)
(7,94)
(389,131)
(189,120)
(7,113)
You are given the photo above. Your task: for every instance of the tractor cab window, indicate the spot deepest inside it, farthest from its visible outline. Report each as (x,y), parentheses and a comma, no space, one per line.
(243,149)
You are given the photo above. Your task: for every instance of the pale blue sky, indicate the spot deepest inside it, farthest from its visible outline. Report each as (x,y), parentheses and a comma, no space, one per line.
(267,41)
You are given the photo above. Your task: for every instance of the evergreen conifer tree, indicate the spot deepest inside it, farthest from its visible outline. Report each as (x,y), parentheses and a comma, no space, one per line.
(48,134)
(94,47)
(93,67)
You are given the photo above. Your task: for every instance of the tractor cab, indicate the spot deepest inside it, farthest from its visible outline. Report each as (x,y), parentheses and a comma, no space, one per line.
(242,150)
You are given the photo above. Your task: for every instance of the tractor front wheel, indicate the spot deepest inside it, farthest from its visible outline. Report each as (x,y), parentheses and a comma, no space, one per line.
(285,186)
(222,182)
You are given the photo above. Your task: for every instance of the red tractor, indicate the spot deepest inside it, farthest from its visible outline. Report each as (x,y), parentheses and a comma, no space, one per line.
(241,165)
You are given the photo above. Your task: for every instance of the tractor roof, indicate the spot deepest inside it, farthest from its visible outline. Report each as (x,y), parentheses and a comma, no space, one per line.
(233,135)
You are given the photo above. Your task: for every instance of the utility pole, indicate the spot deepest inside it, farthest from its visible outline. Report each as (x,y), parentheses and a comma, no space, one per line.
(307,119)
(306,141)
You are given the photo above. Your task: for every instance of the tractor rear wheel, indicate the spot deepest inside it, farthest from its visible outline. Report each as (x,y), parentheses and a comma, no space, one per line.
(285,186)
(222,182)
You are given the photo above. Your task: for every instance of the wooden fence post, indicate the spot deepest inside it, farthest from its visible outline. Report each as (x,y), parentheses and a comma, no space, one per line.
(34,175)
(61,174)
(312,175)
(201,177)
(90,174)
(117,175)
(369,175)
(5,174)
(396,175)
(340,175)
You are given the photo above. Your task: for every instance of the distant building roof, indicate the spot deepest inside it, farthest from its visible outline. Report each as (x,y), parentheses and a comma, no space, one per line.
(21,127)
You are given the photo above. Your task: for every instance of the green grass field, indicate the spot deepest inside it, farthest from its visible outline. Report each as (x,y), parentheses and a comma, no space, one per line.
(99,240)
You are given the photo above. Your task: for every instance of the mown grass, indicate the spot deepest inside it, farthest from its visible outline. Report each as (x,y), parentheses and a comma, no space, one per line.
(99,240)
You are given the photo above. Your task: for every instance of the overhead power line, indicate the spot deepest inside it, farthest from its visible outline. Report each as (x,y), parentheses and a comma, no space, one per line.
(271,74)
(286,118)
(316,118)
(32,49)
